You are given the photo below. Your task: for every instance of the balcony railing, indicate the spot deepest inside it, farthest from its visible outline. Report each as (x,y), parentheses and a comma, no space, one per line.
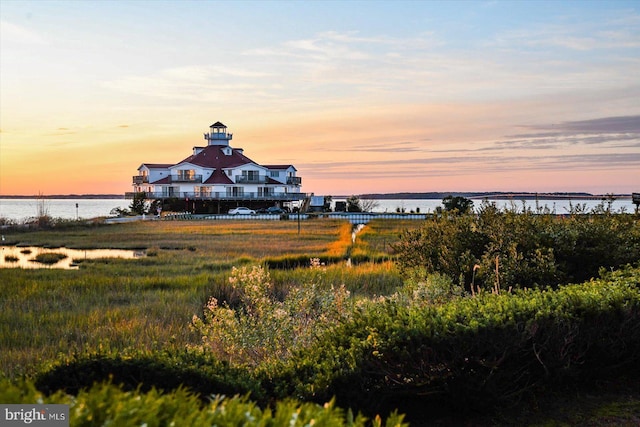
(185,178)
(140,179)
(251,179)
(215,195)
(144,179)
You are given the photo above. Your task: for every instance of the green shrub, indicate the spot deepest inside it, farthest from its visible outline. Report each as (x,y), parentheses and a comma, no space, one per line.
(259,327)
(471,353)
(498,249)
(422,289)
(196,371)
(108,404)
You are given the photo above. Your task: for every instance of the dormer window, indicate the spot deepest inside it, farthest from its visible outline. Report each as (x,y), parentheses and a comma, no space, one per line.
(227,151)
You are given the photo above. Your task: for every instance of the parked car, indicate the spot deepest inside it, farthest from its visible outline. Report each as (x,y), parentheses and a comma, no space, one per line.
(242,211)
(275,210)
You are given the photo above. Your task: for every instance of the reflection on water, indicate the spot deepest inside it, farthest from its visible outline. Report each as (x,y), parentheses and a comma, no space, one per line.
(24,257)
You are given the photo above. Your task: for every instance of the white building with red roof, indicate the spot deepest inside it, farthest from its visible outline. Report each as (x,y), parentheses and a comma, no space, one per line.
(217,176)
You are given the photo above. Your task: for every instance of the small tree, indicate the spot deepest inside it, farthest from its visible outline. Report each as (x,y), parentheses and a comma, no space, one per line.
(368,205)
(139,205)
(354,204)
(459,204)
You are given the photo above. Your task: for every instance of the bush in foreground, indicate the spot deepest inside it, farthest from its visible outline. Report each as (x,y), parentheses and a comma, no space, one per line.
(259,327)
(472,353)
(197,371)
(107,404)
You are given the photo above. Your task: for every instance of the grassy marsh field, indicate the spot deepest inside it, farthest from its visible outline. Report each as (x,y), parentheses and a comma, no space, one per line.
(147,303)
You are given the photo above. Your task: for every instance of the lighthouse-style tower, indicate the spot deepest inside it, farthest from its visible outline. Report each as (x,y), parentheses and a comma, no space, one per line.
(218,135)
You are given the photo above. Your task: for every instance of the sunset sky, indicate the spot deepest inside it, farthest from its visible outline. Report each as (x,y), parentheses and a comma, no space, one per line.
(361,96)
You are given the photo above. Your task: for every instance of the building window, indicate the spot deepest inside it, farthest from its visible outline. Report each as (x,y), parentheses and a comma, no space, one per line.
(265,191)
(186,174)
(235,191)
(250,176)
(274,174)
(203,191)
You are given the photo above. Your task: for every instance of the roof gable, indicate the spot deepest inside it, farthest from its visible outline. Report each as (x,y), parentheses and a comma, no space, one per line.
(163,180)
(212,157)
(181,165)
(218,177)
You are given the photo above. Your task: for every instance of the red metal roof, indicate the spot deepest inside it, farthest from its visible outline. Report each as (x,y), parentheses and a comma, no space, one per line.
(213,157)
(218,177)
(164,180)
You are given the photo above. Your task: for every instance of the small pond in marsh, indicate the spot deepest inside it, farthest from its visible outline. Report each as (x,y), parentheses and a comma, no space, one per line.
(38,257)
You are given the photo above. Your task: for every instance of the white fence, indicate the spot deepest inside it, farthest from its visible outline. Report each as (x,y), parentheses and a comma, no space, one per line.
(352,217)
(365,217)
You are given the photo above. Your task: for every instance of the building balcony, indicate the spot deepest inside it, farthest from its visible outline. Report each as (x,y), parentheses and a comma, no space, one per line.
(251,179)
(294,180)
(218,136)
(140,179)
(185,178)
(222,196)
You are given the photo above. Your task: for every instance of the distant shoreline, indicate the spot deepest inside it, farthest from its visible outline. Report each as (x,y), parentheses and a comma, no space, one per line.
(439,195)
(65,196)
(495,195)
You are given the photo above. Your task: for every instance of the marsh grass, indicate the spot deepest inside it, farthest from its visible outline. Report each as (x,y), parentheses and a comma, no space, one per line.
(225,239)
(50,312)
(367,279)
(48,257)
(377,237)
(147,303)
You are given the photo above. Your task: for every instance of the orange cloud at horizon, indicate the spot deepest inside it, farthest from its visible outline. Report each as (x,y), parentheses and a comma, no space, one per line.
(374,153)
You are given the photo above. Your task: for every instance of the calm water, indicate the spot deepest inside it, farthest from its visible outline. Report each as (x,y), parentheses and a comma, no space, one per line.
(25,257)
(558,206)
(22,209)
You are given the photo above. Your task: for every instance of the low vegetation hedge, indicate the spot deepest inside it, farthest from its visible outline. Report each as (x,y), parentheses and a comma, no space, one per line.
(107,404)
(472,353)
(196,371)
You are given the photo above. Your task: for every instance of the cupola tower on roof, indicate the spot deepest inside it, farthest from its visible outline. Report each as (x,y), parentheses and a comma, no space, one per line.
(218,135)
